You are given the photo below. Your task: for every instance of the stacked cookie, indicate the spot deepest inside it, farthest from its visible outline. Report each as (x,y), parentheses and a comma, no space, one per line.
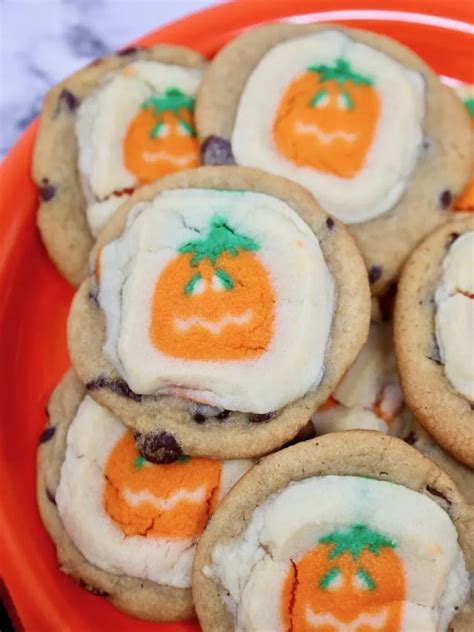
(222,313)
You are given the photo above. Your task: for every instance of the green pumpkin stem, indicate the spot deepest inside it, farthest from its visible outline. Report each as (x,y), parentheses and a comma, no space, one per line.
(354,540)
(340,73)
(220,238)
(173,100)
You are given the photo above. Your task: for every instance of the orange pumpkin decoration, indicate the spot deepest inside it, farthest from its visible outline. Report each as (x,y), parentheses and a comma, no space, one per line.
(327,119)
(353,575)
(214,301)
(161,138)
(172,500)
(465,201)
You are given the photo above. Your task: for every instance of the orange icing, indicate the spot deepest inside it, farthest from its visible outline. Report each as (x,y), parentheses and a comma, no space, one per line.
(126,472)
(213,322)
(327,124)
(149,158)
(331,585)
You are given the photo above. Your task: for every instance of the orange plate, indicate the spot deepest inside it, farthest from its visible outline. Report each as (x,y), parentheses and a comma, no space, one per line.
(34,300)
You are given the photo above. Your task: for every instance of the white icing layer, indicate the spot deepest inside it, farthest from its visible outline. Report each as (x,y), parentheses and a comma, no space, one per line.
(303,289)
(91,437)
(102,122)
(390,162)
(253,567)
(455,315)
(372,380)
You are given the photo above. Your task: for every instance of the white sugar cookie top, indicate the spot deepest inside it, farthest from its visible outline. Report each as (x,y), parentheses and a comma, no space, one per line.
(455,315)
(343,552)
(135,127)
(223,297)
(337,116)
(131,517)
(369,395)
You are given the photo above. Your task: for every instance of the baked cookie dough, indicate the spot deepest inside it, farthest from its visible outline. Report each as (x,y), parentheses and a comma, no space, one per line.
(124,120)
(222,310)
(415,435)
(124,528)
(359,120)
(465,202)
(352,530)
(434,336)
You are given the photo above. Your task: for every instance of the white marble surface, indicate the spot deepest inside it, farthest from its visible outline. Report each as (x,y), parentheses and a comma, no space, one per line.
(42,41)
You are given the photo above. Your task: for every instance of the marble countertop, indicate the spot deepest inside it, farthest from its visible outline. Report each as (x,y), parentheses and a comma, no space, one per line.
(42,41)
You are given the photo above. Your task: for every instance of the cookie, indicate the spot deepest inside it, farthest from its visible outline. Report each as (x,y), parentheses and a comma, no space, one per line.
(415,435)
(223,308)
(321,104)
(123,120)
(369,395)
(434,329)
(352,530)
(124,528)
(465,202)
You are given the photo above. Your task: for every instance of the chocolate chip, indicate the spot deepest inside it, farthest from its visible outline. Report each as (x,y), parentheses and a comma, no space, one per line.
(452,238)
(330,222)
(83,42)
(47,191)
(120,387)
(68,100)
(130,50)
(158,448)
(98,592)
(256,418)
(47,434)
(198,418)
(223,414)
(435,492)
(50,496)
(411,438)
(446,198)
(375,273)
(217,151)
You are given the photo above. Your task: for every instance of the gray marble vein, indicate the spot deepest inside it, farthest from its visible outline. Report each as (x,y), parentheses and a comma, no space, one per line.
(42,41)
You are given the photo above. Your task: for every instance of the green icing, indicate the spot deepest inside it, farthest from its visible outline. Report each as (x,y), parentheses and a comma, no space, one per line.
(139,462)
(469,103)
(184,458)
(348,100)
(354,540)
(327,579)
(225,278)
(364,576)
(220,238)
(172,100)
(320,94)
(191,284)
(340,73)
